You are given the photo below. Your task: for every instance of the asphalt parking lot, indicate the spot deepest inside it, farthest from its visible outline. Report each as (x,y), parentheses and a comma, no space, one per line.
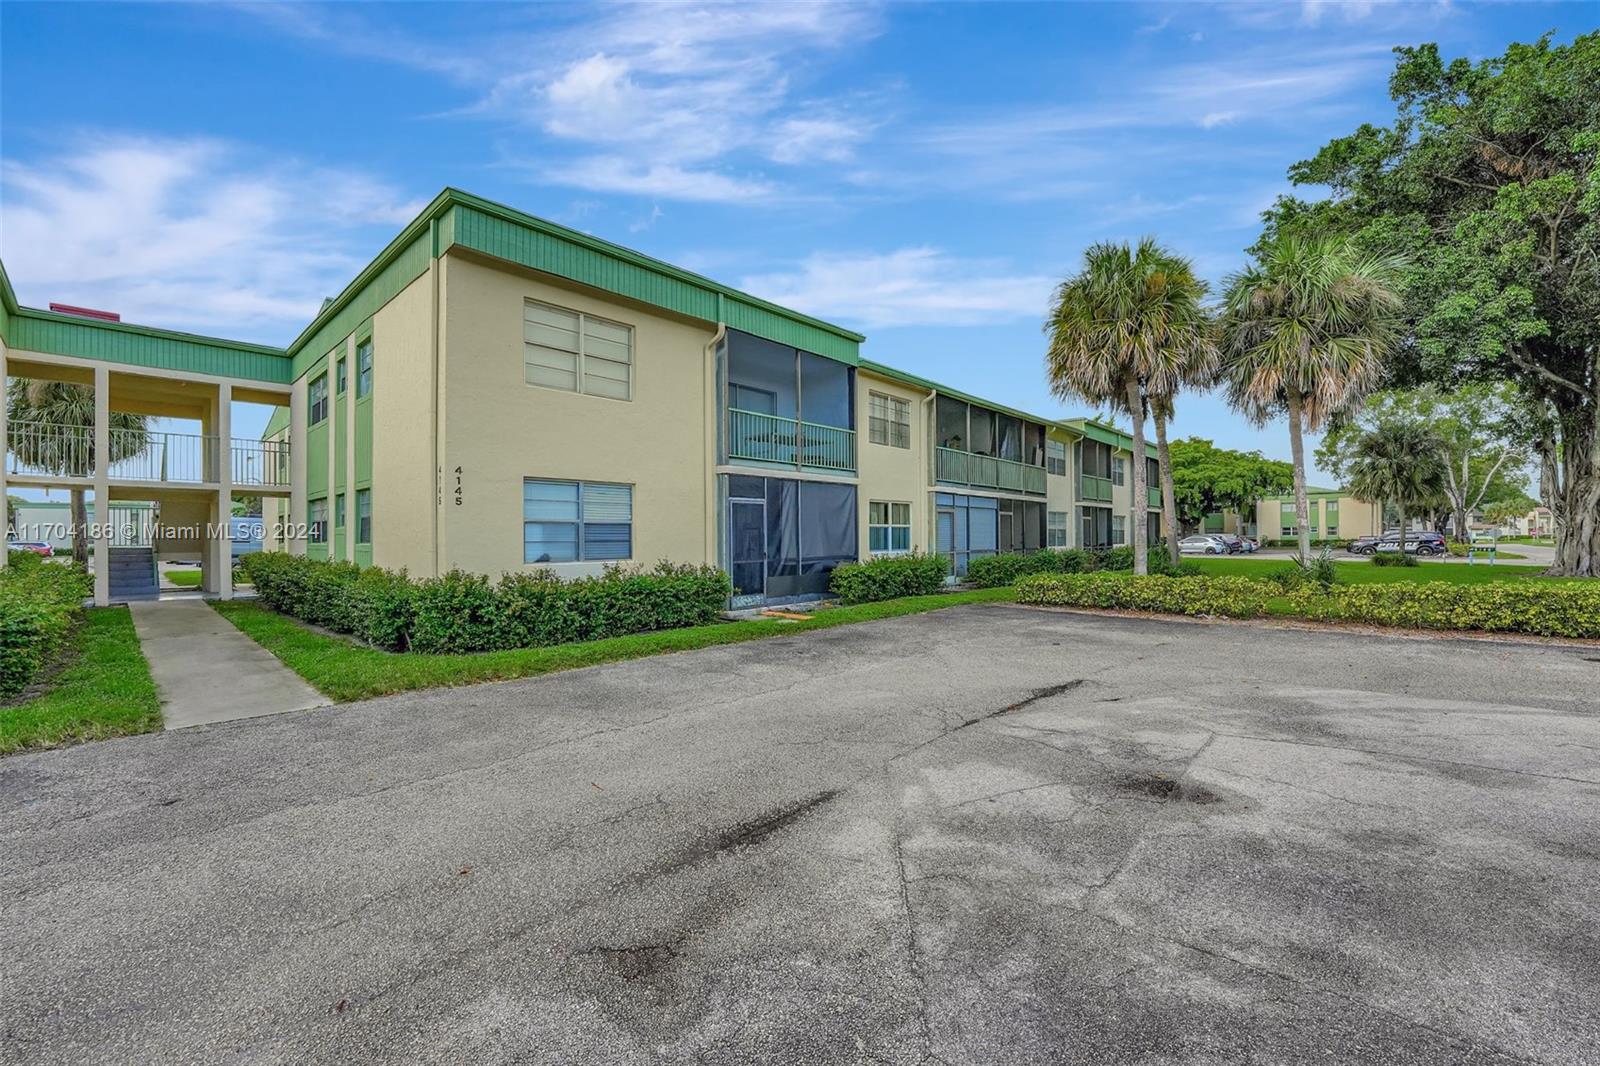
(988,834)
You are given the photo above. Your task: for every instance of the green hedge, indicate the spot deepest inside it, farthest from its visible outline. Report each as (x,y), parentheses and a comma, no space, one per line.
(1547,608)
(462,612)
(889,577)
(1235,597)
(992,571)
(39,602)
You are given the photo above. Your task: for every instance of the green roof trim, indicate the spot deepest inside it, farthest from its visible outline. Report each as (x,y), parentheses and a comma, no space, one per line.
(1108,434)
(459,219)
(933,386)
(1310,491)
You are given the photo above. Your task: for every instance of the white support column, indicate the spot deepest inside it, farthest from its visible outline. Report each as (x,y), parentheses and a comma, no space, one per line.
(223,543)
(102,486)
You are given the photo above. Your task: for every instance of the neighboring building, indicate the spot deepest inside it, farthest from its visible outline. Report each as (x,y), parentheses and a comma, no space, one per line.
(50,522)
(499,393)
(1538,522)
(1334,515)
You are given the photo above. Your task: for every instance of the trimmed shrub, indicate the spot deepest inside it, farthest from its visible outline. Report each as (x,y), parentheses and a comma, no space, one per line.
(1235,597)
(462,612)
(1394,559)
(1287,577)
(1118,558)
(1546,608)
(39,602)
(992,571)
(1159,562)
(889,577)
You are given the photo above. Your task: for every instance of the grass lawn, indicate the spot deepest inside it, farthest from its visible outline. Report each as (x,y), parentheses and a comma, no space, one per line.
(1363,572)
(105,691)
(343,670)
(187,579)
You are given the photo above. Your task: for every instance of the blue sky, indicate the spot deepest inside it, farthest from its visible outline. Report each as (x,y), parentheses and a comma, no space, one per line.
(923,173)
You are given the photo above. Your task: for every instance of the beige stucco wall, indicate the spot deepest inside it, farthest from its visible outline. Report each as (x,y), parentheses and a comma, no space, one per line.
(1356,518)
(889,474)
(403,499)
(1061,492)
(500,430)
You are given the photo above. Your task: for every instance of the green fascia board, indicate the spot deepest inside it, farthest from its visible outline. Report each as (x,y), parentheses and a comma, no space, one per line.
(119,342)
(1321,494)
(8,304)
(460,219)
(1105,434)
(933,386)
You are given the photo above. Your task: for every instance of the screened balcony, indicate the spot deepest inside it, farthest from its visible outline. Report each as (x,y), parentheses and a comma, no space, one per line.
(787,408)
(985,449)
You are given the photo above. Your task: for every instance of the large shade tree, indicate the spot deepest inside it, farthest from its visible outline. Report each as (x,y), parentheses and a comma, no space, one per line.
(1123,330)
(1488,180)
(1398,463)
(52,430)
(1208,479)
(1306,329)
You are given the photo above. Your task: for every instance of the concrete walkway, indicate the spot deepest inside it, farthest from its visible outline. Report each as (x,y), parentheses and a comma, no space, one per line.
(210,672)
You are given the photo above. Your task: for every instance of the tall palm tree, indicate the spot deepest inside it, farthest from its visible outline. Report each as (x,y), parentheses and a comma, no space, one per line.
(1199,370)
(1306,330)
(1121,331)
(1398,462)
(69,452)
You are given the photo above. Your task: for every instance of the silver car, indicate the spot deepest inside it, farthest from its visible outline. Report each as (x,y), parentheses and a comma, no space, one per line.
(1202,544)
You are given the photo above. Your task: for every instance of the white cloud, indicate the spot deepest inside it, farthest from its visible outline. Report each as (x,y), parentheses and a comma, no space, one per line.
(193,234)
(619,174)
(1213,119)
(908,287)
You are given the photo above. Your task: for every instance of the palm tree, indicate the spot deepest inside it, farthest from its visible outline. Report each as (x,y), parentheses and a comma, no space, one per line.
(1198,371)
(1306,330)
(1121,331)
(1398,462)
(68,453)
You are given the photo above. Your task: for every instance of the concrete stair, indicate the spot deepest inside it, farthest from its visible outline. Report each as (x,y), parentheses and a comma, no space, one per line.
(133,575)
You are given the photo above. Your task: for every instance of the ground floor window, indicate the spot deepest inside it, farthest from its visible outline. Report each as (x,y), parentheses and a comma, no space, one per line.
(888,527)
(1288,522)
(1119,529)
(785,535)
(1056,529)
(573,521)
(338,511)
(1332,507)
(967,528)
(1152,527)
(317,520)
(1021,526)
(363,516)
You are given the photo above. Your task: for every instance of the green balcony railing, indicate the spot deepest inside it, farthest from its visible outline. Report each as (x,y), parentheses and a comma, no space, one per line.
(790,442)
(1153,495)
(954,467)
(1095,489)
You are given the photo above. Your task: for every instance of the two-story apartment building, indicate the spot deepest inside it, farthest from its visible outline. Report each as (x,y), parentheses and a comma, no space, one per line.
(495,392)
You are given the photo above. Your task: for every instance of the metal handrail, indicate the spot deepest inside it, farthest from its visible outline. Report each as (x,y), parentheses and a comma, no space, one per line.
(42,449)
(790,441)
(955,466)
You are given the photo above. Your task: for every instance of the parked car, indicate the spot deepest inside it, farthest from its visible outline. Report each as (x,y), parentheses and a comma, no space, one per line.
(1416,544)
(37,547)
(1232,541)
(1202,544)
(1362,545)
(1250,544)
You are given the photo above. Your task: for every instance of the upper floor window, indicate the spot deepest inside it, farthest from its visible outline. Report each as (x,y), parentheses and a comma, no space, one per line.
(1055,461)
(572,521)
(888,420)
(576,352)
(363,368)
(339,379)
(317,393)
(1119,470)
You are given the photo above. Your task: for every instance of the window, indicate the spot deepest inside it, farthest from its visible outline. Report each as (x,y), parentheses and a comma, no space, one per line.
(576,352)
(339,379)
(1055,462)
(1332,507)
(363,368)
(363,516)
(338,511)
(1119,471)
(1288,520)
(888,528)
(317,519)
(888,420)
(571,521)
(318,394)
(1119,529)
(1056,530)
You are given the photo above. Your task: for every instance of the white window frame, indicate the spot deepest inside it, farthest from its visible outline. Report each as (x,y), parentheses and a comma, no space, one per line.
(317,528)
(580,522)
(894,421)
(364,496)
(889,527)
(1052,528)
(1055,454)
(313,401)
(1119,530)
(364,354)
(1119,471)
(581,355)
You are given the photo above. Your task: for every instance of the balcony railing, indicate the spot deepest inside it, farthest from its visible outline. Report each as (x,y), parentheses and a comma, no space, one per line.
(1094,489)
(955,467)
(43,450)
(1153,495)
(790,442)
